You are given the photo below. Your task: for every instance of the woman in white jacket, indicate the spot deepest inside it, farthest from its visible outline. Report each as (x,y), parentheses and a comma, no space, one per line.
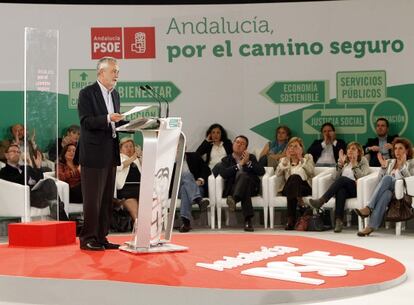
(297,170)
(128,176)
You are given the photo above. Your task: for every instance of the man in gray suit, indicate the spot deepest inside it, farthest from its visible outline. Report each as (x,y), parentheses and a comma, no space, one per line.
(98,108)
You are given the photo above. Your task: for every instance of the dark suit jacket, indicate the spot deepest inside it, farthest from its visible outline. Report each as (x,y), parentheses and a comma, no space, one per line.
(373,159)
(97,148)
(198,168)
(316,149)
(206,147)
(12,174)
(228,169)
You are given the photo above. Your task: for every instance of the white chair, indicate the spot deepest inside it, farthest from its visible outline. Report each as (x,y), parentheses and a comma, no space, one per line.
(365,187)
(63,191)
(260,201)
(399,193)
(277,200)
(13,203)
(211,208)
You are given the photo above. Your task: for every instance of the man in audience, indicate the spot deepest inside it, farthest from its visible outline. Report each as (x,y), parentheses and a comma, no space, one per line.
(71,137)
(16,137)
(193,186)
(241,172)
(325,152)
(43,192)
(381,143)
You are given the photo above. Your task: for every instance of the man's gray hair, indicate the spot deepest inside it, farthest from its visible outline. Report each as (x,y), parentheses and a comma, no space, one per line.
(103,63)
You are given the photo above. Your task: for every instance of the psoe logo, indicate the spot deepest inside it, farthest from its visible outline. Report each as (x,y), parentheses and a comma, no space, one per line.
(128,43)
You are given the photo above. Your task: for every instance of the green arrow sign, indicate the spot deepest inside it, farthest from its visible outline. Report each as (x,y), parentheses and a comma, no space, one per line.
(345,120)
(131,91)
(297,92)
(78,79)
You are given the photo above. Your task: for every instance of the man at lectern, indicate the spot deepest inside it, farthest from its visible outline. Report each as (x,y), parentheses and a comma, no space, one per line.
(98,108)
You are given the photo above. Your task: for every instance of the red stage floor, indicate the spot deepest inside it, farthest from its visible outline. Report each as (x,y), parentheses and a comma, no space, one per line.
(179,269)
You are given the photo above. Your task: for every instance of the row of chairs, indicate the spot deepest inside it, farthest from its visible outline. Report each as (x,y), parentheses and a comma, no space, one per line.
(269,199)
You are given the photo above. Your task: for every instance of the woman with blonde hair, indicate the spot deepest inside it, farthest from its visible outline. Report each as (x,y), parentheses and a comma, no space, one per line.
(349,169)
(128,176)
(297,170)
(399,167)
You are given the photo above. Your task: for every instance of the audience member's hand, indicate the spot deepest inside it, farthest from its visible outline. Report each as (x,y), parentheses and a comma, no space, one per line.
(33,137)
(381,160)
(342,158)
(245,158)
(116,117)
(38,159)
(374,148)
(388,146)
(79,168)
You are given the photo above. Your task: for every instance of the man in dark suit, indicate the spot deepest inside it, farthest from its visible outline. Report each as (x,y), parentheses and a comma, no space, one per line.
(98,108)
(241,172)
(43,192)
(382,143)
(193,186)
(325,152)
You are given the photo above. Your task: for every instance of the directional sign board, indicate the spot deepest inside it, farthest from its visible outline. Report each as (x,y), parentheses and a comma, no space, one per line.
(352,121)
(297,92)
(132,92)
(78,79)
(361,86)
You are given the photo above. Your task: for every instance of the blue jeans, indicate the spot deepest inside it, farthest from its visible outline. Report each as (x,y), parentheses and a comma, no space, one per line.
(380,199)
(189,191)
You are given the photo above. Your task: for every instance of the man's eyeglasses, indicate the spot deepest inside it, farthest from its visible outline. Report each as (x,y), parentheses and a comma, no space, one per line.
(14,151)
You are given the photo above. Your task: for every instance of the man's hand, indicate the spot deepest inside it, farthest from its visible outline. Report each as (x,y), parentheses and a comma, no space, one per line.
(245,158)
(388,146)
(116,117)
(374,148)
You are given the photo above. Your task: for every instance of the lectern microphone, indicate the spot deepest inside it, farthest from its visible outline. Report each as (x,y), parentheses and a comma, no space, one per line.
(161,97)
(151,92)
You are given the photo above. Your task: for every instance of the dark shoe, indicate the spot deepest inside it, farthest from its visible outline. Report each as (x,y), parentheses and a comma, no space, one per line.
(203,204)
(290,224)
(365,232)
(316,203)
(110,246)
(339,224)
(184,228)
(248,227)
(364,212)
(231,203)
(92,246)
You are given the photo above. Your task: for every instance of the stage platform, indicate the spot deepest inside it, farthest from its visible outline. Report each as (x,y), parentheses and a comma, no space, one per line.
(68,275)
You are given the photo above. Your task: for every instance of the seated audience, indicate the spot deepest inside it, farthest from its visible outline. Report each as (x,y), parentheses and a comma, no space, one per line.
(68,170)
(241,172)
(391,170)
(71,137)
(273,151)
(43,192)
(216,145)
(193,187)
(350,167)
(325,152)
(381,143)
(297,170)
(128,176)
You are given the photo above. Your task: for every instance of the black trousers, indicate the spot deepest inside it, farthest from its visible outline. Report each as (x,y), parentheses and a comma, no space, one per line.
(75,194)
(343,188)
(295,187)
(46,195)
(98,190)
(243,188)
